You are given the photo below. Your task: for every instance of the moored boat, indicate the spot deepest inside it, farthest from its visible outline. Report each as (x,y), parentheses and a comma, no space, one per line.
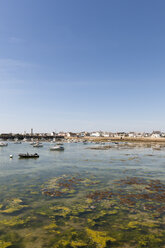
(3,144)
(57,148)
(32,143)
(27,155)
(38,145)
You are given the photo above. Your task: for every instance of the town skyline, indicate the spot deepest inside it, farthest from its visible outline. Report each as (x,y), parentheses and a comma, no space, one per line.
(99,133)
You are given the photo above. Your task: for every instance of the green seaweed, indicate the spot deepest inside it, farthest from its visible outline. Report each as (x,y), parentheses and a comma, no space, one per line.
(4,244)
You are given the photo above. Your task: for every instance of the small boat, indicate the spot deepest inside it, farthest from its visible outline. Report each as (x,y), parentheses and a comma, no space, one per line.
(32,143)
(38,145)
(57,148)
(60,144)
(3,144)
(27,155)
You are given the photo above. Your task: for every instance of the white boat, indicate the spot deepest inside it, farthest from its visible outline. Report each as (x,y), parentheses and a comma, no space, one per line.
(3,144)
(57,148)
(32,143)
(38,145)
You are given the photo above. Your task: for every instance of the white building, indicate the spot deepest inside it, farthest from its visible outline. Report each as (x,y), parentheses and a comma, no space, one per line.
(95,134)
(105,134)
(156,134)
(131,135)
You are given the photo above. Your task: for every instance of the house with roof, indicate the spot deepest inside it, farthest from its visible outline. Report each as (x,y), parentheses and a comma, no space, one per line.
(156,134)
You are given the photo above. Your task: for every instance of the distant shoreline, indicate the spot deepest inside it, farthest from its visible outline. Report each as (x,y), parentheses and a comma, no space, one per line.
(125,139)
(88,138)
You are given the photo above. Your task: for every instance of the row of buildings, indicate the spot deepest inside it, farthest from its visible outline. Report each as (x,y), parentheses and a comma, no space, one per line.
(154,134)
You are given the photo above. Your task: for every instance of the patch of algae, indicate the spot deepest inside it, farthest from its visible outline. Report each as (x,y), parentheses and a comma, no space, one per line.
(4,244)
(133,224)
(112,212)
(149,240)
(60,211)
(71,244)
(12,206)
(89,201)
(100,238)
(141,222)
(91,222)
(100,214)
(78,244)
(70,239)
(15,221)
(61,244)
(50,226)
(79,209)
(66,185)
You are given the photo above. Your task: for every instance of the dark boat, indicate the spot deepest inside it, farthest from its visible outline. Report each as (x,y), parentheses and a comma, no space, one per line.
(27,155)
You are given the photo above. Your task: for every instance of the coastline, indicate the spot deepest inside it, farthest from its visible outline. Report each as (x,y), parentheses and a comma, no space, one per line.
(125,139)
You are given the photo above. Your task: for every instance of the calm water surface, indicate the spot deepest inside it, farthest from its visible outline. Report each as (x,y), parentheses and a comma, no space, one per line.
(82,197)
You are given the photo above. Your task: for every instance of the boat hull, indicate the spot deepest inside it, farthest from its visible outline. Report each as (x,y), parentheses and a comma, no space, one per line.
(60,148)
(28,155)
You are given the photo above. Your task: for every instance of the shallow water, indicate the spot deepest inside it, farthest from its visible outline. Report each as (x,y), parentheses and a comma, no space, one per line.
(76,198)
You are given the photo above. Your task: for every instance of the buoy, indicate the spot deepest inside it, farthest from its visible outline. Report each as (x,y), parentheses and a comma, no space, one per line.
(11,156)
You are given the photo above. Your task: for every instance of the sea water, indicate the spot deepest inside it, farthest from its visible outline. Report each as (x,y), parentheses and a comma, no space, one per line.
(82,197)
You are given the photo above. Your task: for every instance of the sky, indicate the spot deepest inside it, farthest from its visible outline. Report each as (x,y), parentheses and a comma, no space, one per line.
(75,65)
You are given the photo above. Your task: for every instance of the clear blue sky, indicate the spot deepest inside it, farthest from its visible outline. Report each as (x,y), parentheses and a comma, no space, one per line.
(82,65)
